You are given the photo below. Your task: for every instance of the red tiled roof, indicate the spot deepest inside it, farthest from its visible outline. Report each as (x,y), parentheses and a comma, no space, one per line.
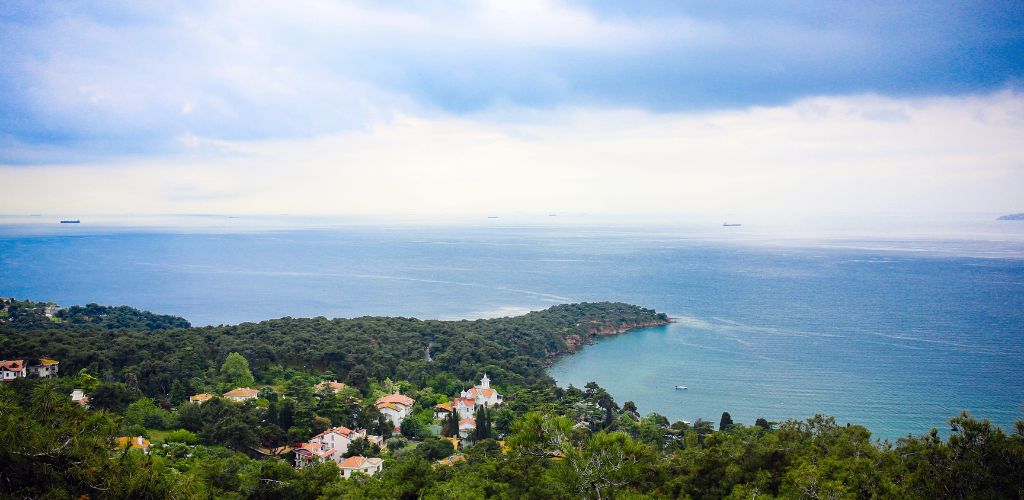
(354,462)
(242,392)
(14,365)
(341,429)
(486,392)
(470,421)
(396,398)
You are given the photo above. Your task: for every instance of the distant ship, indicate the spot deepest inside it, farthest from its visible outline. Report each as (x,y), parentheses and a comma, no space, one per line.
(680,387)
(726,224)
(492,216)
(76,221)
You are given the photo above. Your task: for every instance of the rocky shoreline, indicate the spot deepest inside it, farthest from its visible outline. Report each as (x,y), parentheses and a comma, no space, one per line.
(575,342)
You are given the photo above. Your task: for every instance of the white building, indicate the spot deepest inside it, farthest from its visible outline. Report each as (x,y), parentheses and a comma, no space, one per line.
(242,394)
(330,444)
(44,368)
(483,394)
(466,407)
(466,427)
(12,369)
(395,407)
(78,397)
(358,463)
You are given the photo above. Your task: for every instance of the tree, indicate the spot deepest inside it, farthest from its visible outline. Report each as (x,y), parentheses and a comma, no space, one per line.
(725,422)
(411,428)
(450,427)
(763,423)
(235,371)
(483,424)
(360,446)
(605,463)
(435,449)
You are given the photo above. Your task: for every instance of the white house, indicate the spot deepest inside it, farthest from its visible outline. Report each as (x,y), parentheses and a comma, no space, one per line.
(44,368)
(242,394)
(465,406)
(358,463)
(483,394)
(12,369)
(395,407)
(466,427)
(330,444)
(78,397)
(442,411)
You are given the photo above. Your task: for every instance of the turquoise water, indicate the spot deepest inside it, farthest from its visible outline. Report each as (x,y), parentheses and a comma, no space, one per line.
(897,333)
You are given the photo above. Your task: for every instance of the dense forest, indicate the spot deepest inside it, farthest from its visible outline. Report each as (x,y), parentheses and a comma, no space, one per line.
(543,442)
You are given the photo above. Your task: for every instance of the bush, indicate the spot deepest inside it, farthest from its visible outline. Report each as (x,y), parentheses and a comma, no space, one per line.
(182,436)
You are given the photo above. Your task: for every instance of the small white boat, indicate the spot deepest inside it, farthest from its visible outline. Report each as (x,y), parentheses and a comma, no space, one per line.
(680,387)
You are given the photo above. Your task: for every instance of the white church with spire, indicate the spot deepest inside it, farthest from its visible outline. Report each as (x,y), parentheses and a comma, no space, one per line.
(483,394)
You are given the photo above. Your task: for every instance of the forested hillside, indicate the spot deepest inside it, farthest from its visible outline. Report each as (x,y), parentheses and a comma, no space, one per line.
(541,442)
(159,350)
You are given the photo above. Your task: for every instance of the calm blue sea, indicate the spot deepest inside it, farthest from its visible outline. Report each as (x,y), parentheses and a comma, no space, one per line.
(898,331)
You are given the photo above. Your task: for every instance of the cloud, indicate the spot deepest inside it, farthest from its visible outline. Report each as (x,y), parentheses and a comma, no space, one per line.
(84,82)
(816,155)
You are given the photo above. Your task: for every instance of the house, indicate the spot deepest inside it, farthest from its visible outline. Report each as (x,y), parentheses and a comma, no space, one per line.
(50,310)
(465,406)
(200,398)
(135,443)
(458,457)
(358,463)
(483,394)
(242,394)
(442,411)
(311,453)
(395,407)
(12,369)
(330,385)
(466,427)
(44,368)
(78,397)
(330,444)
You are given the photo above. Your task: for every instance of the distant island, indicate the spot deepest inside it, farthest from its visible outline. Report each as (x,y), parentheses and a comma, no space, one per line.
(114,402)
(1017,216)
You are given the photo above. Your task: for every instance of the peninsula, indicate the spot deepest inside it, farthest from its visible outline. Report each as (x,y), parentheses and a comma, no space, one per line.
(114,402)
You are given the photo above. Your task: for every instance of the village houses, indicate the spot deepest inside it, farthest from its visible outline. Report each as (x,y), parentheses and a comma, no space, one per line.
(470,399)
(17,368)
(332,444)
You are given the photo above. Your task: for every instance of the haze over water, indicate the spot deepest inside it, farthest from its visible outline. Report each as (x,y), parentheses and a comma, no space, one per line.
(896,327)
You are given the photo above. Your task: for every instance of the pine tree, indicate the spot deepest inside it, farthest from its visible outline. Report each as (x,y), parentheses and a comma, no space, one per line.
(726,421)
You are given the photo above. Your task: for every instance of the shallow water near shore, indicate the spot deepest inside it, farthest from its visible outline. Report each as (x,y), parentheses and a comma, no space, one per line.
(898,333)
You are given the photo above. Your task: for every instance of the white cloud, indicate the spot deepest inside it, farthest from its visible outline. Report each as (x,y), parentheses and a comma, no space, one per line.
(835,154)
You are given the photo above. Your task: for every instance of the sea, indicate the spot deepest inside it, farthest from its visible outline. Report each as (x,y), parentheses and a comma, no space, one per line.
(896,323)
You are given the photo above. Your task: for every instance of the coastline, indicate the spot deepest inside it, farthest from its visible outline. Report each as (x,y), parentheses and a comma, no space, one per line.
(575,342)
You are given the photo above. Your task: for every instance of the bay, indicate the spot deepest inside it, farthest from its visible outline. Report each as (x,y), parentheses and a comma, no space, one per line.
(897,331)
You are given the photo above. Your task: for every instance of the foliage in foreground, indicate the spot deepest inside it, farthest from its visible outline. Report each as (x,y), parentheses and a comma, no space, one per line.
(51,447)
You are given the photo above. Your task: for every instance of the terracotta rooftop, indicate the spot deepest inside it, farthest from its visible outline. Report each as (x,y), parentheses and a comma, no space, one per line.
(397,399)
(242,392)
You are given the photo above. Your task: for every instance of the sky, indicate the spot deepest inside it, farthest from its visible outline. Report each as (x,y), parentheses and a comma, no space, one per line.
(532,106)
